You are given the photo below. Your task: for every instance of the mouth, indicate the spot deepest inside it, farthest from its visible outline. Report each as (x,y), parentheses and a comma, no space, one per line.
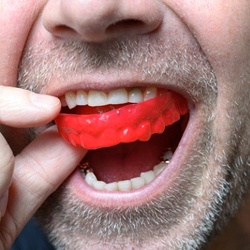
(131,135)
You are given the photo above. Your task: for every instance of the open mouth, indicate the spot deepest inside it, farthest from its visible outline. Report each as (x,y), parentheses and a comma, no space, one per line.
(131,134)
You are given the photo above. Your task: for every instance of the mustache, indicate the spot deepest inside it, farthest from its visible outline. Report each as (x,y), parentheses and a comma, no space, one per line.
(169,61)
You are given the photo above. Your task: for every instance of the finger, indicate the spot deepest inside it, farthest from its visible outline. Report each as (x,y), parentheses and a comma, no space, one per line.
(22,108)
(6,171)
(6,165)
(39,170)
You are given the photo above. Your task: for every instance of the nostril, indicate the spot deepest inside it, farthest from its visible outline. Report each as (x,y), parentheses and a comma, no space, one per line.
(125,24)
(62,29)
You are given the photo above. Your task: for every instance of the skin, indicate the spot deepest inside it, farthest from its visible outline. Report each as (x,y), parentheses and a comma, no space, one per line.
(215,35)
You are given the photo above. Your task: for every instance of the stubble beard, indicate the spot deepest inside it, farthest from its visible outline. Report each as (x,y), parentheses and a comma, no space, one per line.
(178,218)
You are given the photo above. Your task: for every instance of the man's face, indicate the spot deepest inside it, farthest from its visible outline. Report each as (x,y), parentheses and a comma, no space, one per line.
(116,49)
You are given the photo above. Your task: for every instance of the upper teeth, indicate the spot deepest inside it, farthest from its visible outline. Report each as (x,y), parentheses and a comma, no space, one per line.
(100,98)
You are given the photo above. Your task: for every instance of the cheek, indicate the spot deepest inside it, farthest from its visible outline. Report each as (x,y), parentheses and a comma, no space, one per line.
(221,28)
(16,20)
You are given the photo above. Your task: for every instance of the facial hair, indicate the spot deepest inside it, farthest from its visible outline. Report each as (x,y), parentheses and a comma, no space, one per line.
(179,218)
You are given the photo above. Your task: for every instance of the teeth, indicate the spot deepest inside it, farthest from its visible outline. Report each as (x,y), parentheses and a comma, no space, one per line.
(167,156)
(118,96)
(124,185)
(150,93)
(148,176)
(99,98)
(127,185)
(90,178)
(99,185)
(159,168)
(135,96)
(111,186)
(81,98)
(70,98)
(137,182)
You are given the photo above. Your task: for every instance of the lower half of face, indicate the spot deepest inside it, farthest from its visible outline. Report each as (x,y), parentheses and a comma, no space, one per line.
(167,139)
(169,189)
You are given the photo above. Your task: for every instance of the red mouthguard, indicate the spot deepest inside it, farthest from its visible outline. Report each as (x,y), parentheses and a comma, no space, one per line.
(128,123)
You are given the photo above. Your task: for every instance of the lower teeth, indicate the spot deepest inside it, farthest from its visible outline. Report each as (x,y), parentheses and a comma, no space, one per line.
(127,185)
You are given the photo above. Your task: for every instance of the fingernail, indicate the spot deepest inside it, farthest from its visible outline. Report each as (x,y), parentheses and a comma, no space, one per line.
(44,101)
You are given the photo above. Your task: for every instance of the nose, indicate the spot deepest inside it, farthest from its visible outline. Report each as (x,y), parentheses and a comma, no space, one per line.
(101,20)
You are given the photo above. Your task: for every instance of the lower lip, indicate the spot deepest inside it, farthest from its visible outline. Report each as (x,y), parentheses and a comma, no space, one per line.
(162,183)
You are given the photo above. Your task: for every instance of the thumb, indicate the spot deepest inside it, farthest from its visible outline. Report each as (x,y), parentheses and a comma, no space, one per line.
(22,108)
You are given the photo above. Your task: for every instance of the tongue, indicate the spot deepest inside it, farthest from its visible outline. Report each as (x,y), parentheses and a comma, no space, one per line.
(126,161)
(122,125)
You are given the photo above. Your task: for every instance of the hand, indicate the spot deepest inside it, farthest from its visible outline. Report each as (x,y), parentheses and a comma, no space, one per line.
(29,178)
